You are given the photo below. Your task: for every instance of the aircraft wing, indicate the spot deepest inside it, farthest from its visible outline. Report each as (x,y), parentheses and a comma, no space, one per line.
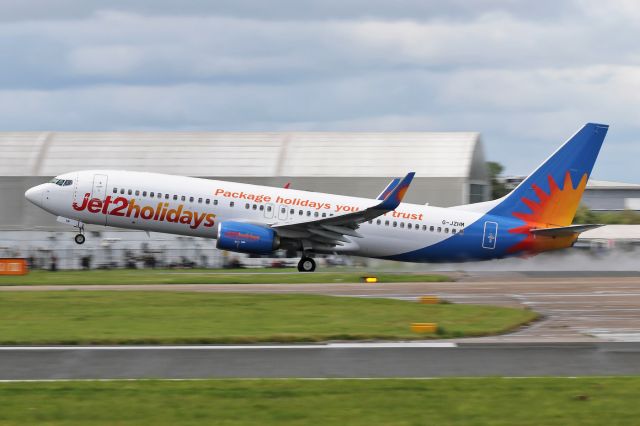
(327,232)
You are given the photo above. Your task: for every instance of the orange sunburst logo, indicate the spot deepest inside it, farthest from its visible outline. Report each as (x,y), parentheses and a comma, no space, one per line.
(557,208)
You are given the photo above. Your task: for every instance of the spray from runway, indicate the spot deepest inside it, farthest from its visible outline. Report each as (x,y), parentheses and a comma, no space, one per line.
(616,259)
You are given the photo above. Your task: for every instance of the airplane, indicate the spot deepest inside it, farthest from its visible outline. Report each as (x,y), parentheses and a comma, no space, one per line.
(535,217)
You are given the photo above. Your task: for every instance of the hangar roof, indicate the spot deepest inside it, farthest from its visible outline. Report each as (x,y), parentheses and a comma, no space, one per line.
(458,154)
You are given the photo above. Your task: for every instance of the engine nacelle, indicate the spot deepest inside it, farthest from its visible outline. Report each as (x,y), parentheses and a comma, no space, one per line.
(246,238)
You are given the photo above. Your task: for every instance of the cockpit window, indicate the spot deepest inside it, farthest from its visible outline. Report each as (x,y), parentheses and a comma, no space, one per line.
(61,182)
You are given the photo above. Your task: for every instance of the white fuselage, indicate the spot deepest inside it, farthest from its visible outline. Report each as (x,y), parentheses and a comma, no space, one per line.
(194,207)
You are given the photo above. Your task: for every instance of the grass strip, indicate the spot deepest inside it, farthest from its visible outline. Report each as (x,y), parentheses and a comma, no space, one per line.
(494,401)
(108,317)
(166,276)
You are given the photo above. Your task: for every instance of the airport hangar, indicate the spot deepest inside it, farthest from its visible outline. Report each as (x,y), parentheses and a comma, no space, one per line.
(450,167)
(450,170)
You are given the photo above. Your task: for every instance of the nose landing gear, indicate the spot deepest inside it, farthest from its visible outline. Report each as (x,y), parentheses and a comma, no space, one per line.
(306,264)
(79,238)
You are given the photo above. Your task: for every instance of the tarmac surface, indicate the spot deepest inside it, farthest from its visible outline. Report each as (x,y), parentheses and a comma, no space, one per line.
(590,326)
(321,361)
(576,306)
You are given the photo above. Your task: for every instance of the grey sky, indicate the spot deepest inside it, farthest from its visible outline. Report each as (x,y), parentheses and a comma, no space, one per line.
(525,74)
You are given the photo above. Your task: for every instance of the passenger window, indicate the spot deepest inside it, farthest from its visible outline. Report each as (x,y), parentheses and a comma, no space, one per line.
(409,226)
(122,191)
(283,210)
(246,206)
(115,190)
(446,230)
(261,207)
(431,228)
(137,192)
(175,198)
(395,224)
(207,201)
(215,202)
(166,196)
(191,199)
(254,207)
(401,224)
(453,231)
(199,200)
(386,223)
(231,204)
(325,215)
(153,194)
(268,208)
(378,222)
(292,211)
(417,227)
(315,214)
(308,212)
(424,227)
(144,193)
(130,192)
(300,212)
(439,229)
(183,198)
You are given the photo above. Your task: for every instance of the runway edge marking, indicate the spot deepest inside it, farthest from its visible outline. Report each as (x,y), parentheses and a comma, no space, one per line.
(237,347)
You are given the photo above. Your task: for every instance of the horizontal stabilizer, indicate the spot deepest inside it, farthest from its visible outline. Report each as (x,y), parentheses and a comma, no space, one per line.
(563,231)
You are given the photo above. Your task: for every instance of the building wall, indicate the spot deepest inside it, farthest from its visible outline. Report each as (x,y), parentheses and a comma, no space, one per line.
(609,199)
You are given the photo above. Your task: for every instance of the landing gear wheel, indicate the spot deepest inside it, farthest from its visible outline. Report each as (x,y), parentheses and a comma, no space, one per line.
(79,239)
(306,264)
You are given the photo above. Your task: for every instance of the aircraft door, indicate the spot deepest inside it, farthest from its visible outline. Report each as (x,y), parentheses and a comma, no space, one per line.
(490,235)
(282,212)
(268,211)
(99,190)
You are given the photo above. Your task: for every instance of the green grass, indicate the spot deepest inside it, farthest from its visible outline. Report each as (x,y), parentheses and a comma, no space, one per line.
(263,276)
(103,317)
(486,401)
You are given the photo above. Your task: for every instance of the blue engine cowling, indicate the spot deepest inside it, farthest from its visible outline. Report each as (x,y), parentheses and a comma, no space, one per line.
(246,238)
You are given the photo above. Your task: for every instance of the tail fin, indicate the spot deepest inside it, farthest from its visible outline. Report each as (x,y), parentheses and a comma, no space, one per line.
(551,194)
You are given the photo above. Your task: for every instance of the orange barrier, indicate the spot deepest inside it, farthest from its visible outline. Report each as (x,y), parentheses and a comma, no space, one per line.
(13,267)
(429,300)
(424,327)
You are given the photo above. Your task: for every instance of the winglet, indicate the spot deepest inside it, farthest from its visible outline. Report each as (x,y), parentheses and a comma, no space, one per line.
(388,189)
(394,198)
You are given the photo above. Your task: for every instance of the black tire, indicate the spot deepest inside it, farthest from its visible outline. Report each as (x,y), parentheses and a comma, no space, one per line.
(79,239)
(306,264)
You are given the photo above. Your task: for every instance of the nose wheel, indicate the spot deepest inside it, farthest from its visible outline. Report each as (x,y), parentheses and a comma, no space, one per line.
(79,238)
(306,264)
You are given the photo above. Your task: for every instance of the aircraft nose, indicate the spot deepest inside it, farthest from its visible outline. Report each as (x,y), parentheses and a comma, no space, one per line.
(34,195)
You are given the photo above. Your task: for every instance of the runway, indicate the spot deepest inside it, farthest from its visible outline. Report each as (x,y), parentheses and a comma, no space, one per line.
(420,360)
(590,326)
(577,306)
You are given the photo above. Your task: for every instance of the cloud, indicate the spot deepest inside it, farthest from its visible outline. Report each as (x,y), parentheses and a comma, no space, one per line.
(525,80)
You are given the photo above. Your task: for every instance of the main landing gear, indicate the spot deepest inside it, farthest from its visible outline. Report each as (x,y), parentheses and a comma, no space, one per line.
(306,264)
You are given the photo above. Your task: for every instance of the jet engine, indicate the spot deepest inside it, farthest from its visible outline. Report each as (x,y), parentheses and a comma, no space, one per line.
(246,238)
